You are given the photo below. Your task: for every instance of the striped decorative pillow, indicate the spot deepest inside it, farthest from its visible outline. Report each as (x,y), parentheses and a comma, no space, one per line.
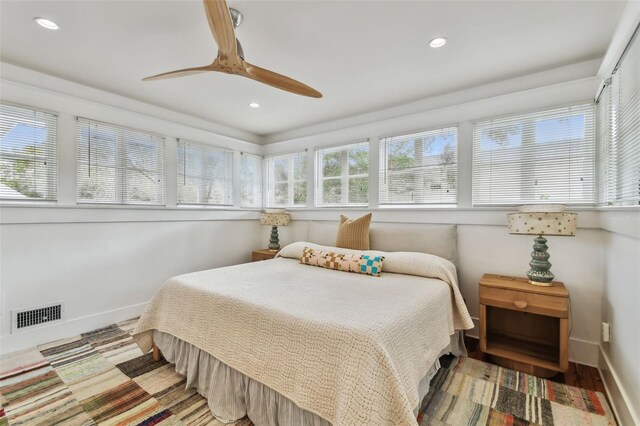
(354,233)
(358,263)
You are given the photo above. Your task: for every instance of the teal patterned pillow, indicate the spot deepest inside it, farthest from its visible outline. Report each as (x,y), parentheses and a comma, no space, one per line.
(370,265)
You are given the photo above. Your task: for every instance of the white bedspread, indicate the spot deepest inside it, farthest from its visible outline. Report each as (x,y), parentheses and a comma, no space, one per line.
(349,347)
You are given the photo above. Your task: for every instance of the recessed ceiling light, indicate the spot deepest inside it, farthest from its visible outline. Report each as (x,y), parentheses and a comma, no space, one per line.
(438,42)
(254,105)
(46,23)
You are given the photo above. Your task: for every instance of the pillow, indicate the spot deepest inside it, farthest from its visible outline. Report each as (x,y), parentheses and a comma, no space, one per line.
(354,233)
(359,263)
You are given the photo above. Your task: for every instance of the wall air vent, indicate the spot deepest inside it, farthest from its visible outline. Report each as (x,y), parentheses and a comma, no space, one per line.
(23,319)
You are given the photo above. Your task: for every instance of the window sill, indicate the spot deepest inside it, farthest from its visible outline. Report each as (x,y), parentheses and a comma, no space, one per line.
(630,208)
(100,206)
(42,214)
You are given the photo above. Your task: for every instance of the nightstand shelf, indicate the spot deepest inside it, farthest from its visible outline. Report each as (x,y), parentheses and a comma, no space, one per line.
(526,351)
(524,327)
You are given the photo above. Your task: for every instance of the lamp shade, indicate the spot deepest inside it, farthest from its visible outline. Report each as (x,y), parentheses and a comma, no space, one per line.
(275,219)
(542,223)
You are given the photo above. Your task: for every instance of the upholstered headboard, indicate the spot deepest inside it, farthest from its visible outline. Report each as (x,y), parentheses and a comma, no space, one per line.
(385,236)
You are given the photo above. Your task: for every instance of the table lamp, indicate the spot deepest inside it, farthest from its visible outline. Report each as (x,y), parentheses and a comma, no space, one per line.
(275,220)
(542,221)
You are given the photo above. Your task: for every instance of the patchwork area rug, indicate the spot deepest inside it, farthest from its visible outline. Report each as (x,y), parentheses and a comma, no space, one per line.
(102,378)
(472,392)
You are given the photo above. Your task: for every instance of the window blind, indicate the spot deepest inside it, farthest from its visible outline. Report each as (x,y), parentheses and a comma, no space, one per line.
(250,181)
(626,125)
(343,175)
(541,157)
(119,165)
(419,168)
(286,180)
(205,174)
(605,152)
(28,154)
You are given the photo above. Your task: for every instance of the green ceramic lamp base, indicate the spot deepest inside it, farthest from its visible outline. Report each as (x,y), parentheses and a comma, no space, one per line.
(540,272)
(274,242)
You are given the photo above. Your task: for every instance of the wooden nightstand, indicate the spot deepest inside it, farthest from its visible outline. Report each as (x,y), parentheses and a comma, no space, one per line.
(523,326)
(263,254)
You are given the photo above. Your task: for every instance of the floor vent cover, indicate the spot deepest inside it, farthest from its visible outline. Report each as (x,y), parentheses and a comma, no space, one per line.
(26,318)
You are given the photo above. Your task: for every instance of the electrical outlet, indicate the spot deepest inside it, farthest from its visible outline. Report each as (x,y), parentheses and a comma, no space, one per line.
(606,331)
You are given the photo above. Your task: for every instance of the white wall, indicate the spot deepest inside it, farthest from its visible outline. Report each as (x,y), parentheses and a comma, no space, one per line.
(105,262)
(621,272)
(621,308)
(107,271)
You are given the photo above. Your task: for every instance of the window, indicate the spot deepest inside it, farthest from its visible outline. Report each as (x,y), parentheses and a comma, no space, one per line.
(205,174)
(28,157)
(119,165)
(287,180)
(619,131)
(543,157)
(250,181)
(343,175)
(420,168)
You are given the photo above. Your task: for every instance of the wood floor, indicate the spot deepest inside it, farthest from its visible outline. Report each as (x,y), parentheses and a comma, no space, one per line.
(579,375)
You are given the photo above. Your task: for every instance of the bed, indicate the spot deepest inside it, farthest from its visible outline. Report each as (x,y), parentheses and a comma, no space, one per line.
(294,344)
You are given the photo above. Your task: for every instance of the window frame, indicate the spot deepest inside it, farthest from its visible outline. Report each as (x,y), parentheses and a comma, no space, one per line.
(385,172)
(121,167)
(619,152)
(258,190)
(50,157)
(344,178)
(270,181)
(229,174)
(528,122)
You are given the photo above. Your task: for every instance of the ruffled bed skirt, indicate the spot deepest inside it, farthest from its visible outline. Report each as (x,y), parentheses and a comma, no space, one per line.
(232,395)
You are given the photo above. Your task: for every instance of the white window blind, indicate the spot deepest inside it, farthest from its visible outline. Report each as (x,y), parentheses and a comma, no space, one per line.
(619,131)
(343,175)
(541,157)
(119,165)
(605,154)
(28,154)
(250,181)
(286,180)
(420,168)
(205,174)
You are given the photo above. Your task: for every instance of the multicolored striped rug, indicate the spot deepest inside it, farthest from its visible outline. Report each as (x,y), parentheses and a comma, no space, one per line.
(103,378)
(472,392)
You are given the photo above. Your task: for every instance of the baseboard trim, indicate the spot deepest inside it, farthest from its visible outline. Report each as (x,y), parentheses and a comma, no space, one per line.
(580,351)
(72,327)
(620,401)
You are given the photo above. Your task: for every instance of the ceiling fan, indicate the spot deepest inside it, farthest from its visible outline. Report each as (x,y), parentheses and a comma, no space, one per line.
(230,58)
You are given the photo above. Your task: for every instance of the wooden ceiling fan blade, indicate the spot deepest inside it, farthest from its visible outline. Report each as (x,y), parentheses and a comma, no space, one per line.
(221,26)
(280,81)
(181,73)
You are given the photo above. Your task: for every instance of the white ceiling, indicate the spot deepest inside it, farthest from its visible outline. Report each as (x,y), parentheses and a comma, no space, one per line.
(362,55)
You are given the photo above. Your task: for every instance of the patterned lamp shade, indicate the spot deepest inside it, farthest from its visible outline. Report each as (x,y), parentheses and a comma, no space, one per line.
(275,219)
(542,223)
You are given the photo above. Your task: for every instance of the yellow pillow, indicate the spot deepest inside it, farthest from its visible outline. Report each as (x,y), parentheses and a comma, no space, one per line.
(354,233)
